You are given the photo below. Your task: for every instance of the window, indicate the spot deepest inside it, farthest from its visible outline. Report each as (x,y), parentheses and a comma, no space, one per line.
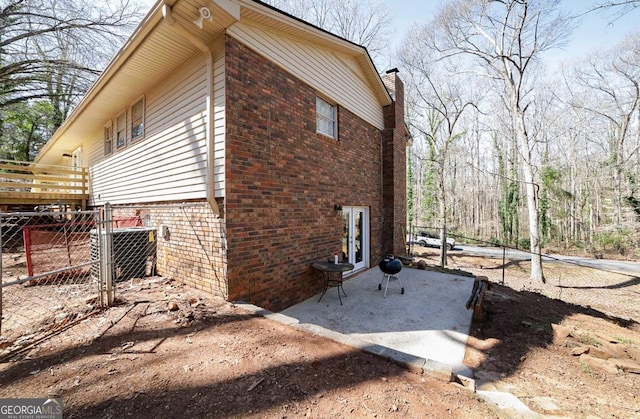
(137,119)
(115,131)
(108,139)
(121,130)
(325,118)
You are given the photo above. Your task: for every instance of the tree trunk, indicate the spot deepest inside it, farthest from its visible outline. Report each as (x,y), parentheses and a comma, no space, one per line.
(532,196)
(617,188)
(443,221)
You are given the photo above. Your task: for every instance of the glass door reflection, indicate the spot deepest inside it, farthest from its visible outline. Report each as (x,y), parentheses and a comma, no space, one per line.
(355,230)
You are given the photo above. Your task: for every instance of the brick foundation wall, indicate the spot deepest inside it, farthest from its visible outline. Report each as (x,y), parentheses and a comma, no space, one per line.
(194,252)
(283,180)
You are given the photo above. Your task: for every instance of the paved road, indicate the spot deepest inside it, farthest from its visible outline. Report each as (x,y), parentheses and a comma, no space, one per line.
(626,267)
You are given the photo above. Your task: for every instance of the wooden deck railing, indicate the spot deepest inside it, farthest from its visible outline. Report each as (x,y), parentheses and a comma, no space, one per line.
(33,177)
(32,182)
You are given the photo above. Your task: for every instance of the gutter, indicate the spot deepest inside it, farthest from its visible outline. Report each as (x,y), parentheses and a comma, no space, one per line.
(182,30)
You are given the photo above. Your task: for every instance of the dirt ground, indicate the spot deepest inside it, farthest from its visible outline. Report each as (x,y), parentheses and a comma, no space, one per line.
(167,350)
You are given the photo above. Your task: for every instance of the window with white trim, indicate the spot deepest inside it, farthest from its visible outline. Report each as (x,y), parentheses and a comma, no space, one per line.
(326,118)
(137,119)
(108,139)
(121,130)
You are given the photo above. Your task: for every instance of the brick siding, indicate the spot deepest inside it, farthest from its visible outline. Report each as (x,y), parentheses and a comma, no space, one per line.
(395,169)
(283,180)
(194,252)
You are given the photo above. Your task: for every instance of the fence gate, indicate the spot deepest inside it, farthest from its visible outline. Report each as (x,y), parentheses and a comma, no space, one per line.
(52,277)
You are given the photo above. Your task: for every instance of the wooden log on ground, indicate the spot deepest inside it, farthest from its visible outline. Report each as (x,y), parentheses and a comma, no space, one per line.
(476,300)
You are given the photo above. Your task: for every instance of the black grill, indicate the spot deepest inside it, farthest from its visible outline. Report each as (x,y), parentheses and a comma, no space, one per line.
(390,266)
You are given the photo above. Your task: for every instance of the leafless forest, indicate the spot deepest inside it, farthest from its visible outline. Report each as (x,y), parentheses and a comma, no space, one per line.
(511,146)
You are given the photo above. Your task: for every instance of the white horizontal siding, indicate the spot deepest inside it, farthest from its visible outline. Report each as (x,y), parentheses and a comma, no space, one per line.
(333,74)
(170,162)
(219,132)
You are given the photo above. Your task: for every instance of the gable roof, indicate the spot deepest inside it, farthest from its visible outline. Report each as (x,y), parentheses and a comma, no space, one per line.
(154,50)
(286,23)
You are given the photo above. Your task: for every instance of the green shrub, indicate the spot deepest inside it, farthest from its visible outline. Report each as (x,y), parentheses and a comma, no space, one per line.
(618,240)
(524,243)
(495,242)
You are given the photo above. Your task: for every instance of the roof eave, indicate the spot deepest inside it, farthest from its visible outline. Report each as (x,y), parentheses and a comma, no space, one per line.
(154,17)
(151,19)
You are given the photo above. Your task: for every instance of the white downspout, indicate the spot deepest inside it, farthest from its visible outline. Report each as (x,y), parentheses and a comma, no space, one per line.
(184,32)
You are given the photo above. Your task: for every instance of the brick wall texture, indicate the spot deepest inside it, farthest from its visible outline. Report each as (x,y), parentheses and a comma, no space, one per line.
(283,180)
(394,168)
(194,251)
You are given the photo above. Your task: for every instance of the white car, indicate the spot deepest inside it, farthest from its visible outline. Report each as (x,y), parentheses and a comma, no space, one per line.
(426,239)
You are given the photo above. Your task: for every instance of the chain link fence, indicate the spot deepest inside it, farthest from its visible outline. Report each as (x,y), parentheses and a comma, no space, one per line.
(61,269)
(132,243)
(185,242)
(572,279)
(49,280)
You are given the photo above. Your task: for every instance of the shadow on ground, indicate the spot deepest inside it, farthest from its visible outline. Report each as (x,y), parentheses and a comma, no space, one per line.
(522,321)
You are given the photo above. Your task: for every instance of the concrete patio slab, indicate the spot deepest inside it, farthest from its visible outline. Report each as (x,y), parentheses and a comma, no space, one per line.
(428,321)
(426,328)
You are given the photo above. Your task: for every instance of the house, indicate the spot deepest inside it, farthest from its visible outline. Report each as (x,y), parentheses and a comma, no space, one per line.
(260,143)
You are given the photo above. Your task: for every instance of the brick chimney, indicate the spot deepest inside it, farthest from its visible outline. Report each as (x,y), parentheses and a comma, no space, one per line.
(394,168)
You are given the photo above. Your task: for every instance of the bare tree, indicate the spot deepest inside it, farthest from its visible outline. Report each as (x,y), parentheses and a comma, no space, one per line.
(610,92)
(54,49)
(620,7)
(506,37)
(366,23)
(437,98)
